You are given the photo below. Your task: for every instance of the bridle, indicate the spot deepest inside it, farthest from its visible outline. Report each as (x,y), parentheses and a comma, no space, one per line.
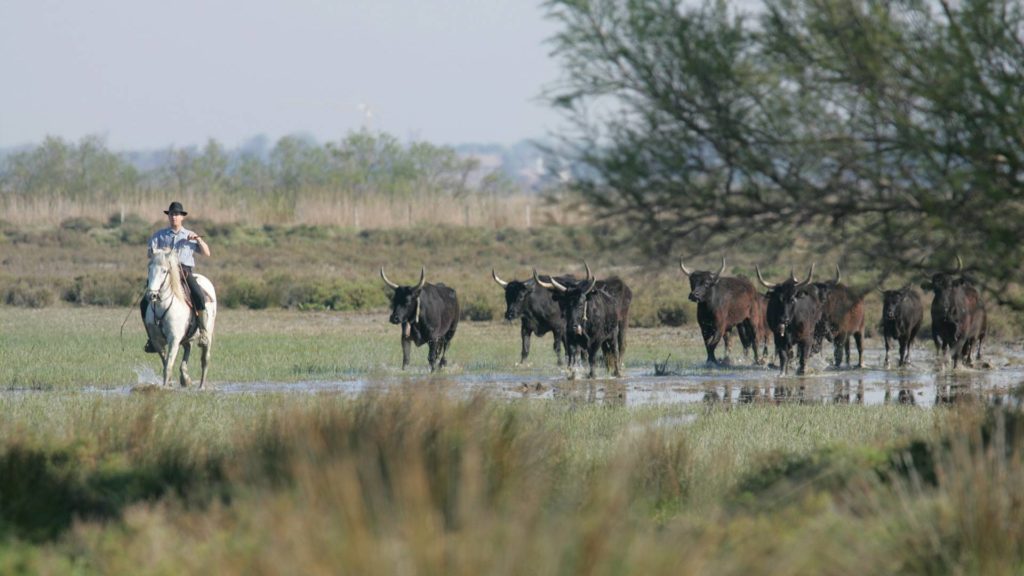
(155,294)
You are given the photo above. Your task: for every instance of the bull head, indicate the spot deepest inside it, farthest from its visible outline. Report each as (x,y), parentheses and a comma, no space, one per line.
(942,280)
(688,273)
(702,283)
(792,278)
(403,299)
(393,286)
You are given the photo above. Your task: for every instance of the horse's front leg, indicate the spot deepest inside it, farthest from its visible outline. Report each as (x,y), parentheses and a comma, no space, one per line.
(185,380)
(204,360)
(172,355)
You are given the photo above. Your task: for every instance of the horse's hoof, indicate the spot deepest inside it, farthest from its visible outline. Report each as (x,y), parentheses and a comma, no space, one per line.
(149,348)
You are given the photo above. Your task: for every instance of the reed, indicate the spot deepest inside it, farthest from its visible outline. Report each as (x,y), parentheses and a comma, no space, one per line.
(421,482)
(517,211)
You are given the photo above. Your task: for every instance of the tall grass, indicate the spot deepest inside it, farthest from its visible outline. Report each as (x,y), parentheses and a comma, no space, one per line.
(419,482)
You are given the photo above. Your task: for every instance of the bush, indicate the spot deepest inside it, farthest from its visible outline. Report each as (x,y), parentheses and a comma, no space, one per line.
(673,315)
(243,292)
(105,290)
(25,293)
(477,310)
(80,224)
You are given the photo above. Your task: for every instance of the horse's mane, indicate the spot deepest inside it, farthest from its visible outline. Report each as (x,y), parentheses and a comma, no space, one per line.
(169,259)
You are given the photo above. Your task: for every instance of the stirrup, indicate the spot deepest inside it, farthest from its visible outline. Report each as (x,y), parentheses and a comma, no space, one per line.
(149,348)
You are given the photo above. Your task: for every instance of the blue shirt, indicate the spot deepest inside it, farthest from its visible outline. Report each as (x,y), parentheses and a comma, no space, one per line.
(167,238)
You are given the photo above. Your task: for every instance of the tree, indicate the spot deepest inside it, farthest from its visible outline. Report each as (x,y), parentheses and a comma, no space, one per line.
(891,128)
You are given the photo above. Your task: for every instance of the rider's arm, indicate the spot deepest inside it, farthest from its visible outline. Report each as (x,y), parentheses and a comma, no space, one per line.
(204,248)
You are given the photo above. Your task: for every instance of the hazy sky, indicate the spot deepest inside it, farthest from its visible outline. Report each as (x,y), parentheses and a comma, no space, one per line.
(149,74)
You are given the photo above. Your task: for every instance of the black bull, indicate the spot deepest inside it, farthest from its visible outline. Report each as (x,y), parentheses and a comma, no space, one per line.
(959,320)
(428,313)
(902,312)
(724,303)
(793,313)
(537,310)
(596,316)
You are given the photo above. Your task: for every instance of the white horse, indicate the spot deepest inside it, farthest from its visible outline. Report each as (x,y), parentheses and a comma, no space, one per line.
(168,316)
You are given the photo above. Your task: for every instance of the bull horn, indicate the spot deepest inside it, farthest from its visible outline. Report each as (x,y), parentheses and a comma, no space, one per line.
(810,273)
(838,276)
(500,282)
(722,269)
(879,289)
(761,278)
(390,284)
(593,282)
(959,265)
(792,275)
(553,285)
(423,278)
(683,266)
(588,270)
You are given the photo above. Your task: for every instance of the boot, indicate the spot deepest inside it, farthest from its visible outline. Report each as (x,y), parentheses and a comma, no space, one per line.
(149,348)
(202,335)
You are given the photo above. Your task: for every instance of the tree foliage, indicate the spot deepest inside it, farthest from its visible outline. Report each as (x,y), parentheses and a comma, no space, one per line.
(893,129)
(360,164)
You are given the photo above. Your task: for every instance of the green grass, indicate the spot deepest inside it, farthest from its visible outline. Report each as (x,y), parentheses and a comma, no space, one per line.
(74,347)
(420,477)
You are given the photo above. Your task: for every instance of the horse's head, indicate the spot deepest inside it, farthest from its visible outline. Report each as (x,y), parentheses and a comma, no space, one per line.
(161,264)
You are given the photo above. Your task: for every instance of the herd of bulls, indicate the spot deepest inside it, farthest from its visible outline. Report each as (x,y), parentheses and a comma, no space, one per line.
(591,315)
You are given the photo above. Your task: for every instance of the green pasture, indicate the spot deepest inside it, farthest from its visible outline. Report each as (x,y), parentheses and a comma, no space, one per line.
(74,347)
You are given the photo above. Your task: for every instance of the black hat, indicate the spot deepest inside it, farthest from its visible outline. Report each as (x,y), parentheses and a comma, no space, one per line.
(175,208)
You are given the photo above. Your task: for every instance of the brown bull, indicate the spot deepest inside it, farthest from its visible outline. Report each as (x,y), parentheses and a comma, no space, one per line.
(842,316)
(724,303)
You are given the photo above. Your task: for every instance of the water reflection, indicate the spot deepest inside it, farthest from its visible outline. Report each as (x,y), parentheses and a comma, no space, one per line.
(844,392)
(611,392)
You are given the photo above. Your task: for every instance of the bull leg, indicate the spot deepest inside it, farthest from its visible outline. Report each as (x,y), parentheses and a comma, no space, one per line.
(571,354)
(433,348)
(445,343)
(711,339)
(557,347)
(749,335)
(837,349)
(780,349)
(525,333)
(904,350)
(613,344)
(184,379)
(406,345)
(592,352)
(620,337)
(858,338)
(802,350)
(885,363)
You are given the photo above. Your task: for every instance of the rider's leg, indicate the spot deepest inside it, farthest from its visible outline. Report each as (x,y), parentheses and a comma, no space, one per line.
(199,301)
(143,306)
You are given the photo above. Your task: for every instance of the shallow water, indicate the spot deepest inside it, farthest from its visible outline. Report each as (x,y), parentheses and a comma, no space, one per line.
(994,380)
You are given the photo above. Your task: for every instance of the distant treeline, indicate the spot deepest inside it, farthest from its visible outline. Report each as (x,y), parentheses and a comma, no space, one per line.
(361,164)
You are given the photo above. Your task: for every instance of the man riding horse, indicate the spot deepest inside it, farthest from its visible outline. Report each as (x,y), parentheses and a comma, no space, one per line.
(185,243)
